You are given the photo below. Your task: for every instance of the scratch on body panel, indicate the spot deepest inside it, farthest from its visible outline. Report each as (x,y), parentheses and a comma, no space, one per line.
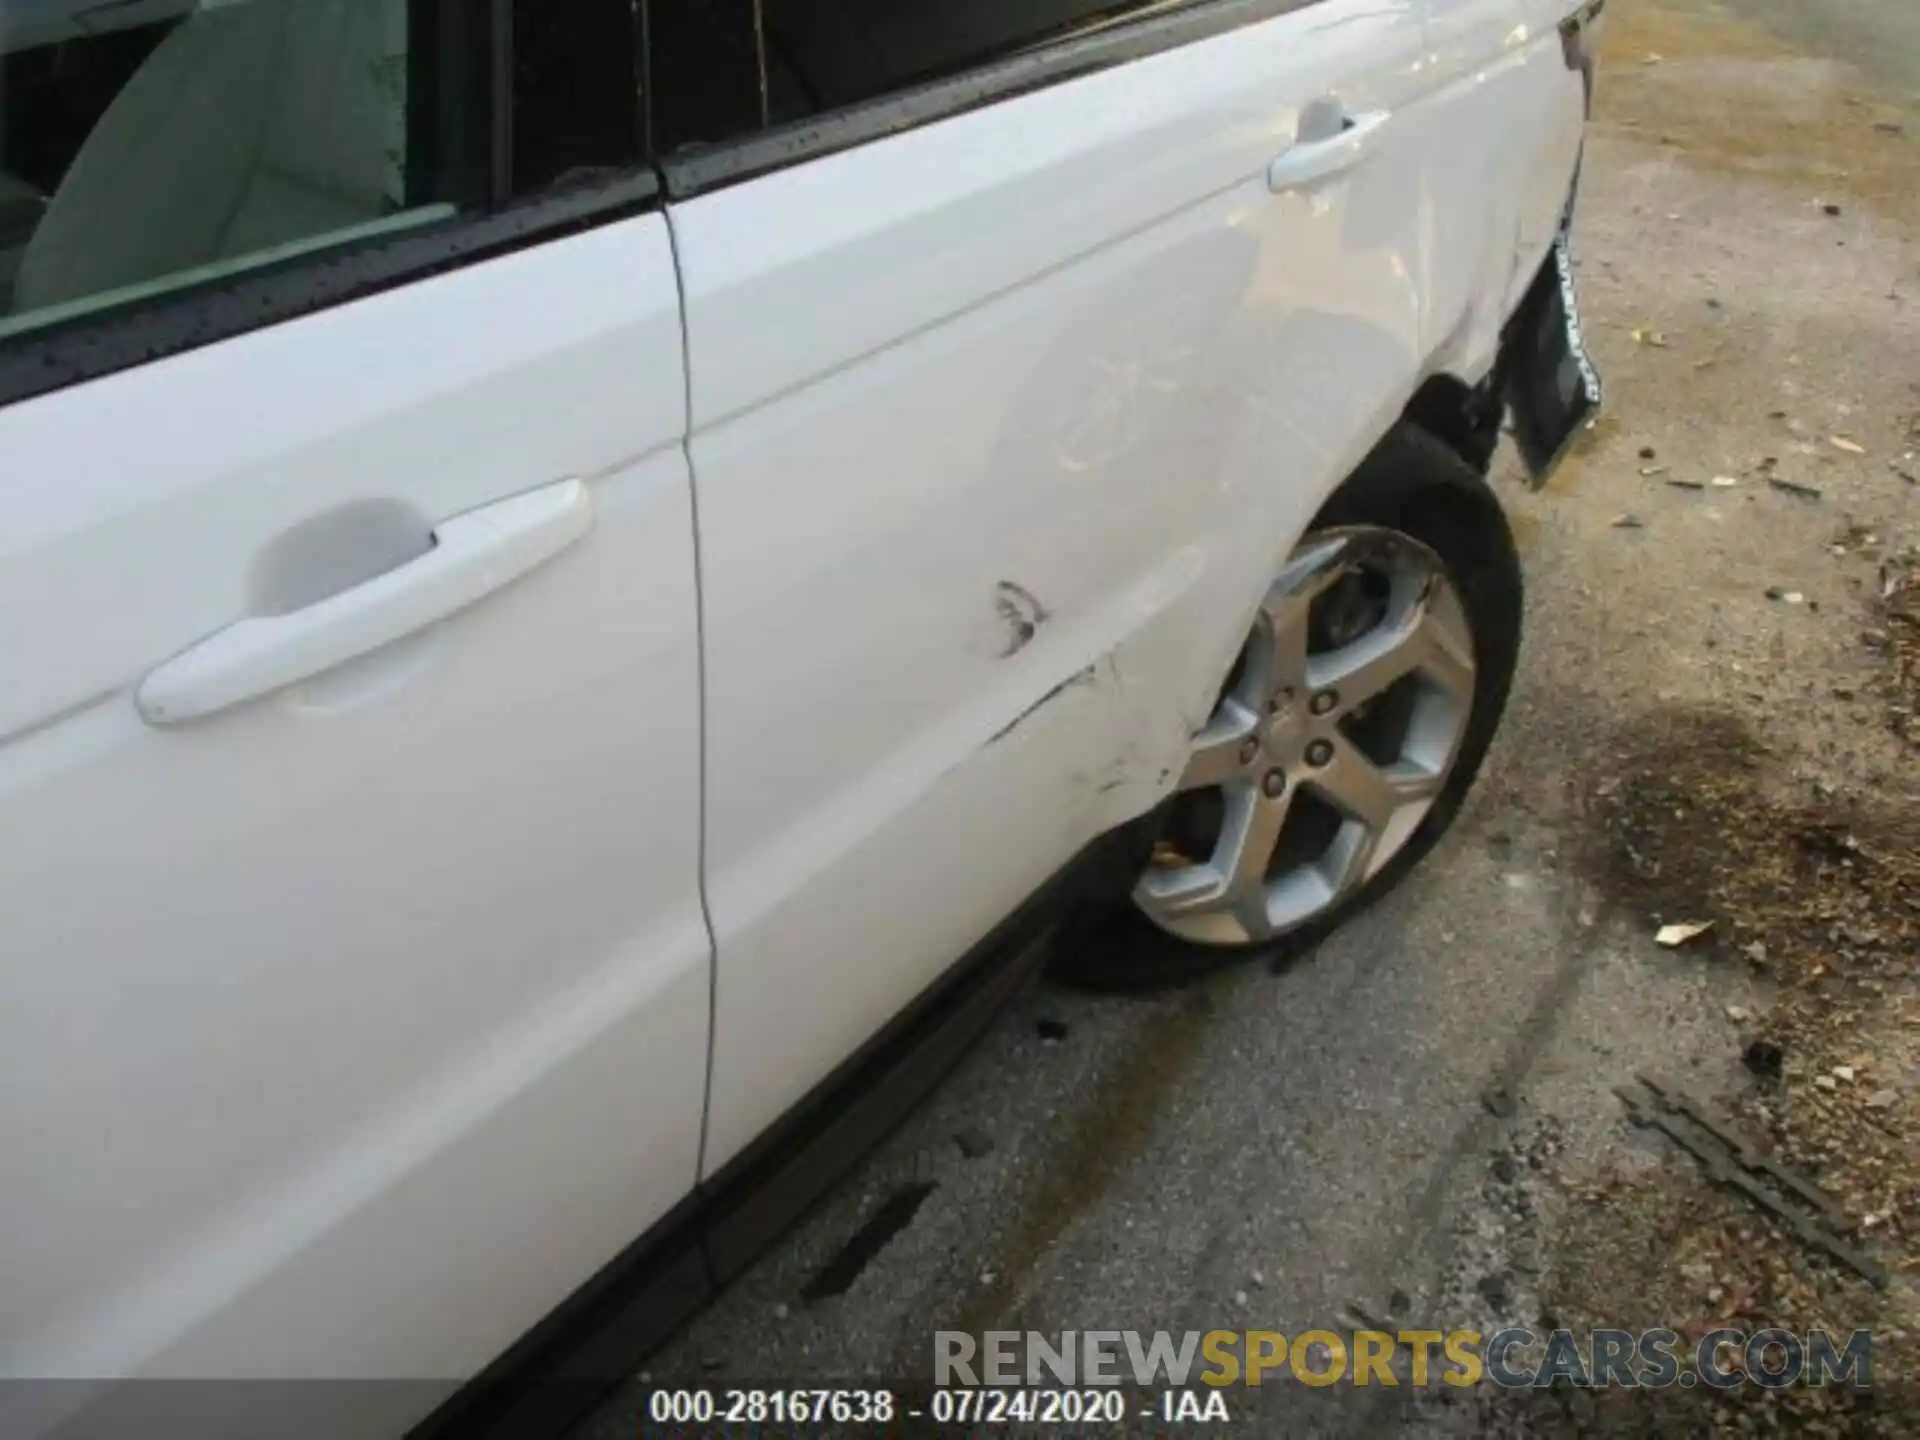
(1086,676)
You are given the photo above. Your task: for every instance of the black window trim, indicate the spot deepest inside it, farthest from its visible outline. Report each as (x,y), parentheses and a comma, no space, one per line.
(89,347)
(1108,42)
(123,337)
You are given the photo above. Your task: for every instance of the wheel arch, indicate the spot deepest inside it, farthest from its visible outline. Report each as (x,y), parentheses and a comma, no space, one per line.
(1465,417)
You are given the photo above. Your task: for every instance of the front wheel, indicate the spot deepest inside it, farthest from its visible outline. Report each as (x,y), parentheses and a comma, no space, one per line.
(1348,732)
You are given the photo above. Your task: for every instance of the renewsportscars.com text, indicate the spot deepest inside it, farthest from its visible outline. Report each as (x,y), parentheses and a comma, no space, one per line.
(1513,1358)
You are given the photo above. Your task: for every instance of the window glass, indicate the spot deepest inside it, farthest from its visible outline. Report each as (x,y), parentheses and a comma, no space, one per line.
(704,72)
(822,54)
(150,144)
(576,91)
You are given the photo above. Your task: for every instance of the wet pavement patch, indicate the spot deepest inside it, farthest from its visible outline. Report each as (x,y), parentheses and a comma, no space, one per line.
(1107,1134)
(839,1273)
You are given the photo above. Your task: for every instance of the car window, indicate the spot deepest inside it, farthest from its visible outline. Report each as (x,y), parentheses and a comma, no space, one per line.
(151,145)
(824,54)
(708,82)
(703,72)
(576,107)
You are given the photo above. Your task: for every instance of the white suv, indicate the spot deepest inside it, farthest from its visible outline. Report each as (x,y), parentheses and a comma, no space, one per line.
(580,582)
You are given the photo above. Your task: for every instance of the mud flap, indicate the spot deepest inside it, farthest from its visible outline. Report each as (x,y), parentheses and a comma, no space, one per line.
(1551,387)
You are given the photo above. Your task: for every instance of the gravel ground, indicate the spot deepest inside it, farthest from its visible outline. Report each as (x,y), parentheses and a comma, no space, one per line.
(1421,1121)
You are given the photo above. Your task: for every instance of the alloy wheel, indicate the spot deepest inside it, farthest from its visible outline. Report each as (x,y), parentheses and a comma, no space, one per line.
(1336,732)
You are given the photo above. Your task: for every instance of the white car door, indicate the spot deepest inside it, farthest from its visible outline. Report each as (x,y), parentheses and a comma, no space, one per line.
(1023,345)
(1503,116)
(353,978)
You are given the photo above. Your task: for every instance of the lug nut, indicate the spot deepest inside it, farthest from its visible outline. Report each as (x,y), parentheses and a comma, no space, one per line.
(1325,701)
(1319,752)
(1248,749)
(1274,782)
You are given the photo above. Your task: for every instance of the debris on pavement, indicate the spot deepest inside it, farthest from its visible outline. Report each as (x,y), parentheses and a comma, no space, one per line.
(1366,1319)
(1851,447)
(1899,607)
(1794,487)
(1737,1164)
(1763,1058)
(1494,1289)
(1680,933)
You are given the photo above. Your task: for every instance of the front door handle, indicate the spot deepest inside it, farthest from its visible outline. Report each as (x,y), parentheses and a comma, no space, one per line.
(473,554)
(1308,161)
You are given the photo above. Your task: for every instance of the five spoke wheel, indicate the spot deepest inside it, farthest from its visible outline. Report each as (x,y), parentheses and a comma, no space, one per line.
(1337,730)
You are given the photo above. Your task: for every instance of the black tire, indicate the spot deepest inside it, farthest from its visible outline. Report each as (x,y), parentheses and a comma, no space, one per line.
(1417,484)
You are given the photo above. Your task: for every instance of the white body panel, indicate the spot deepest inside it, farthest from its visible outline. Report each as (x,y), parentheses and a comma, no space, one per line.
(321,1012)
(1069,343)
(1504,119)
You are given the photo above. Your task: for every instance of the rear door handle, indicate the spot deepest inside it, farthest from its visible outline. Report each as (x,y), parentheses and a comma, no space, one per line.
(1307,161)
(473,554)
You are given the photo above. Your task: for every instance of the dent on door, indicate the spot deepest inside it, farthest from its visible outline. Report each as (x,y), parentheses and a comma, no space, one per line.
(990,480)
